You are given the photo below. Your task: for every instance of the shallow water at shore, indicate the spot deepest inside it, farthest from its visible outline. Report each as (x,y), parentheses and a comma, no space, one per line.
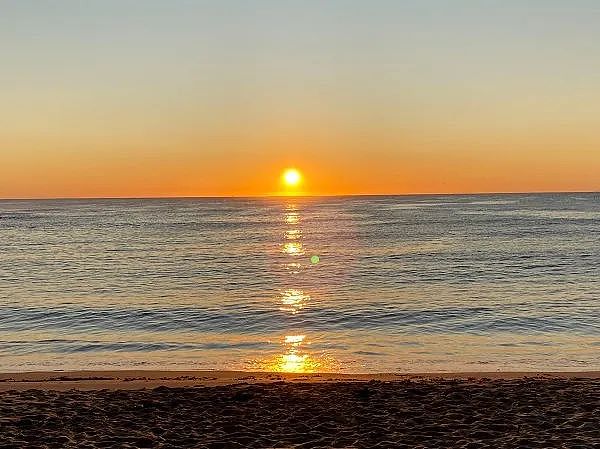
(405,283)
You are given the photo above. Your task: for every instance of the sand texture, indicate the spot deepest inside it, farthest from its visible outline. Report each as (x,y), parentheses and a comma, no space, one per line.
(421,413)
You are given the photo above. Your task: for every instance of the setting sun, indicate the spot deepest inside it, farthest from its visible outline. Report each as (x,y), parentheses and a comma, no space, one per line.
(291,177)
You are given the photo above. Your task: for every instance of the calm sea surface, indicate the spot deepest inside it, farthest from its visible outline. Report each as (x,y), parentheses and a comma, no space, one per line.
(349,284)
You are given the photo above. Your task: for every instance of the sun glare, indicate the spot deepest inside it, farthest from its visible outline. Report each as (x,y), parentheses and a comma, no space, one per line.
(291,177)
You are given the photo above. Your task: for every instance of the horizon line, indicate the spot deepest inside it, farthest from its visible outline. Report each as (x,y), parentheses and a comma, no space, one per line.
(166,197)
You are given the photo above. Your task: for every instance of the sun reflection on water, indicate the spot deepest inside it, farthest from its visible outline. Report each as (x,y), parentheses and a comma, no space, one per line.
(293,267)
(293,361)
(292,217)
(293,249)
(294,356)
(293,300)
(293,234)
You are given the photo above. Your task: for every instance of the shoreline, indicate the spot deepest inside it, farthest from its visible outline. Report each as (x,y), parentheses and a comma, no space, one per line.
(140,379)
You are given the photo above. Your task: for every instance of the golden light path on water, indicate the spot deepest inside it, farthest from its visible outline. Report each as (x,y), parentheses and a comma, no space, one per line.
(293,234)
(293,267)
(295,357)
(292,217)
(294,361)
(293,249)
(293,300)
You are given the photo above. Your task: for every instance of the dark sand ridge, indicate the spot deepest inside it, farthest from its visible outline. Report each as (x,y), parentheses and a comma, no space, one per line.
(244,410)
(137,379)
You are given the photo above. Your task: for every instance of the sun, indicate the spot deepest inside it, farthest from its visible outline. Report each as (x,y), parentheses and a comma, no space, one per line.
(291,177)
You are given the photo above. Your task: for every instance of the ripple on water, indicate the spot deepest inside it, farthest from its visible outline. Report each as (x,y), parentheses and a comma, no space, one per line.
(403,283)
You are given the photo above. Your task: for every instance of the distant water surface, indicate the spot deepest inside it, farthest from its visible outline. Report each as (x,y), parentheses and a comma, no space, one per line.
(349,284)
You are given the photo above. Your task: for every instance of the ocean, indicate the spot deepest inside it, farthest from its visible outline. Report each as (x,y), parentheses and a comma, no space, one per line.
(345,284)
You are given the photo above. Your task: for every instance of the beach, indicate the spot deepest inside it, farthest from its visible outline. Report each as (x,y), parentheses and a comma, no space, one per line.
(210,409)
(295,224)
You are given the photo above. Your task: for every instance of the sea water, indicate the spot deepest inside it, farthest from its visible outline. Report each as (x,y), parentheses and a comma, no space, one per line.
(345,284)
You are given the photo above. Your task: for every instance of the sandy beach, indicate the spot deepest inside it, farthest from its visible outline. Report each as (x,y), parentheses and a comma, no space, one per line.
(209,409)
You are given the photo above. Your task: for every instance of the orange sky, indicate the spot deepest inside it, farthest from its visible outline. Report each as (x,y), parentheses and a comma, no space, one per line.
(179,99)
(254,167)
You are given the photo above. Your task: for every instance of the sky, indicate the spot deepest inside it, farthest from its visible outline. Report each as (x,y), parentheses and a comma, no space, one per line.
(215,98)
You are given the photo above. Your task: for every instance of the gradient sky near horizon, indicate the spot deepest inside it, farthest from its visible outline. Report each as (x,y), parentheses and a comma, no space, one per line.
(194,98)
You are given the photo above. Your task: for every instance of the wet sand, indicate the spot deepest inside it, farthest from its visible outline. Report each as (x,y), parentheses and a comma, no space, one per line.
(238,410)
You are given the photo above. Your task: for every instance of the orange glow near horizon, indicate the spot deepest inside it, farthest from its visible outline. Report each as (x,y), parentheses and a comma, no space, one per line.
(95,172)
(52,175)
(215,102)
